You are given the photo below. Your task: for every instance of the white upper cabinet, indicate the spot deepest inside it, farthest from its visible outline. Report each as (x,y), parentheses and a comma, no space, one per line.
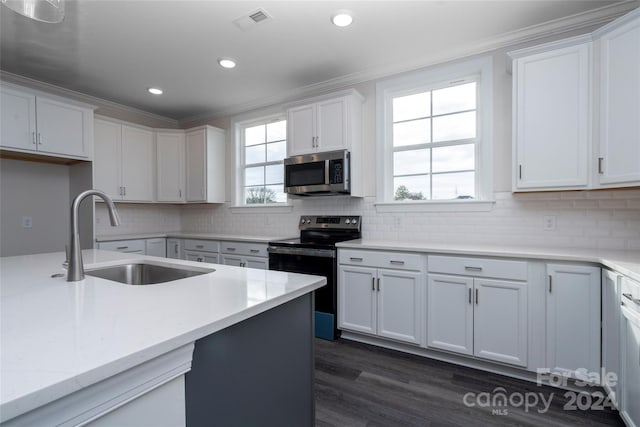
(48,126)
(123,165)
(551,98)
(170,164)
(206,165)
(618,46)
(325,124)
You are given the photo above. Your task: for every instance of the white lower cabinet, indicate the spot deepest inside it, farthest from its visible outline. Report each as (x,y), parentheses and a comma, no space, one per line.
(479,317)
(611,332)
(135,246)
(573,319)
(174,248)
(157,247)
(630,352)
(244,254)
(201,250)
(381,301)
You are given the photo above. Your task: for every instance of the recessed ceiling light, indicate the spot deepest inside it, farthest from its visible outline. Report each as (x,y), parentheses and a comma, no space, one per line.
(227,63)
(155,90)
(342,18)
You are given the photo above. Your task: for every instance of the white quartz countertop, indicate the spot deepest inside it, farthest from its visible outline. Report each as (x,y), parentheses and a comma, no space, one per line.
(624,262)
(183,235)
(58,337)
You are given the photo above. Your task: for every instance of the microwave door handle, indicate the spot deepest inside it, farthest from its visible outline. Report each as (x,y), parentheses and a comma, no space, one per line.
(326,172)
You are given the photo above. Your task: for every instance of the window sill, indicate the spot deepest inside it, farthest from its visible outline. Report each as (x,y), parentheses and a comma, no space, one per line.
(437,206)
(275,208)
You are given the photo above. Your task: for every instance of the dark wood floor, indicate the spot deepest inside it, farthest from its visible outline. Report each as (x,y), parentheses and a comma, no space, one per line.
(362,385)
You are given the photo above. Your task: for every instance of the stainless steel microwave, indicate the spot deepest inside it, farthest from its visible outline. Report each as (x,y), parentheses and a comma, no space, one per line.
(318,174)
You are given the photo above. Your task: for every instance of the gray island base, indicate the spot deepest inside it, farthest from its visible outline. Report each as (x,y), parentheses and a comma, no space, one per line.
(259,372)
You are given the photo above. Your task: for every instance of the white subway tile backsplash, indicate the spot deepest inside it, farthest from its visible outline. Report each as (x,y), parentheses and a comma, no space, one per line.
(584,219)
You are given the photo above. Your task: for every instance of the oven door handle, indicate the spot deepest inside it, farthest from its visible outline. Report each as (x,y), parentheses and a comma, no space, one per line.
(323,253)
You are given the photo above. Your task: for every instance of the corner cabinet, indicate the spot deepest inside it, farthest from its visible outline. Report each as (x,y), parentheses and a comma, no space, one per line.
(573,319)
(471,314)
(46,125)
(618,47)
(205,165)
(123,165)
(551,119)
(381,293)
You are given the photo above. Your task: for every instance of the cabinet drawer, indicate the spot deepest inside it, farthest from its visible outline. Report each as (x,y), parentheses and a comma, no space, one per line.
(478,267)
(395,260)
(128,246)
(244,248)
(201,245)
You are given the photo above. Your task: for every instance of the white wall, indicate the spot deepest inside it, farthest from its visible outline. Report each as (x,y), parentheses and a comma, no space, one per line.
(38,190)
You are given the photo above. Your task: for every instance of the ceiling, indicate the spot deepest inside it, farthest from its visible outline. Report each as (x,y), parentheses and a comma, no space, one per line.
(114,50)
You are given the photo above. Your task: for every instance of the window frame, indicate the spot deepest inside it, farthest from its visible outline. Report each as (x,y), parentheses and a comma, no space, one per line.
(479,70)
(239,125)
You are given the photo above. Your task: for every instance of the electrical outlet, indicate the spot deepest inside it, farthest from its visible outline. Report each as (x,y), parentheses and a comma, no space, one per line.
(549,222)
(27,222)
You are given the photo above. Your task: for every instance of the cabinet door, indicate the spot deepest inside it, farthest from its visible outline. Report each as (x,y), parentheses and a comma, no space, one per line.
(107,167)
(450,313)
(137,164)
(18,119)
(170,162)
(201,256)
(620,104)
(331,126)
(62,128)
(357,299)
(573,319)
(552,118)
(611,331)
(400,294)
(301,130)
(157,247)
(174,249)
(233,260)
(196,165)
(500,321)
(630,387)
(257,262)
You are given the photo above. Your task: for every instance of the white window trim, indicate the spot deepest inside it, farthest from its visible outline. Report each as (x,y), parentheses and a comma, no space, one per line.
(237,123)
(389,88)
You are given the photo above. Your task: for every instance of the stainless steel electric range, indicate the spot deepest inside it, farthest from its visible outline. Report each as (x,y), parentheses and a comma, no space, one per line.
(314,252)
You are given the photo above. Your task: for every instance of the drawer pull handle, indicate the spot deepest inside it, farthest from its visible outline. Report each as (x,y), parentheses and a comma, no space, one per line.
(470,268)
(550,283)
(373,283)
(470,296)
(396,262)
(378,284)
(631,298)
(254,251)
(231,249)
(200,246)
(120,248)
(355,259)
(476,296)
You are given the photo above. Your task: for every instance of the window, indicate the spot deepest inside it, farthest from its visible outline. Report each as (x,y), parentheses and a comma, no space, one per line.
(264,146)
(434,135)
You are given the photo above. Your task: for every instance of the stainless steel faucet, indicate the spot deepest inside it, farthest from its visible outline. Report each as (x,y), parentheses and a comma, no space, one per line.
(76,269)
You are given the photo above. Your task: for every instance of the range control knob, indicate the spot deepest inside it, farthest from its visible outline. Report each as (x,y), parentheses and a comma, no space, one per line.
(347,221)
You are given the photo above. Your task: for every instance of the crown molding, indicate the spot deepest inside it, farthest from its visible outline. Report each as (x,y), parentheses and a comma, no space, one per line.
(79,96)
(529,34)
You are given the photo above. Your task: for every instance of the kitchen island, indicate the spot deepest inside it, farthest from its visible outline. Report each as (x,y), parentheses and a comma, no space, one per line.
(74,352)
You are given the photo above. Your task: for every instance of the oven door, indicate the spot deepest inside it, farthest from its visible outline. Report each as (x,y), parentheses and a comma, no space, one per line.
(318,262)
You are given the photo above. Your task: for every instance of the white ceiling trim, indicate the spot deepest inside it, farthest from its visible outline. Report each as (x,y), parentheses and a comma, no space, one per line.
(529,34)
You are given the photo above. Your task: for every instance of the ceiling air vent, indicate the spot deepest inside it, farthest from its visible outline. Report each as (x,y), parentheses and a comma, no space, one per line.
(252,19)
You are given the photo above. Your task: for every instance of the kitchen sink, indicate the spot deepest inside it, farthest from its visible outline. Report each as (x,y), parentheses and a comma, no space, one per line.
(145,274)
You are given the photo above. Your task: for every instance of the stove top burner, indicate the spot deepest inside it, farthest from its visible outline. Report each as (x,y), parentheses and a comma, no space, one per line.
(323,231)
